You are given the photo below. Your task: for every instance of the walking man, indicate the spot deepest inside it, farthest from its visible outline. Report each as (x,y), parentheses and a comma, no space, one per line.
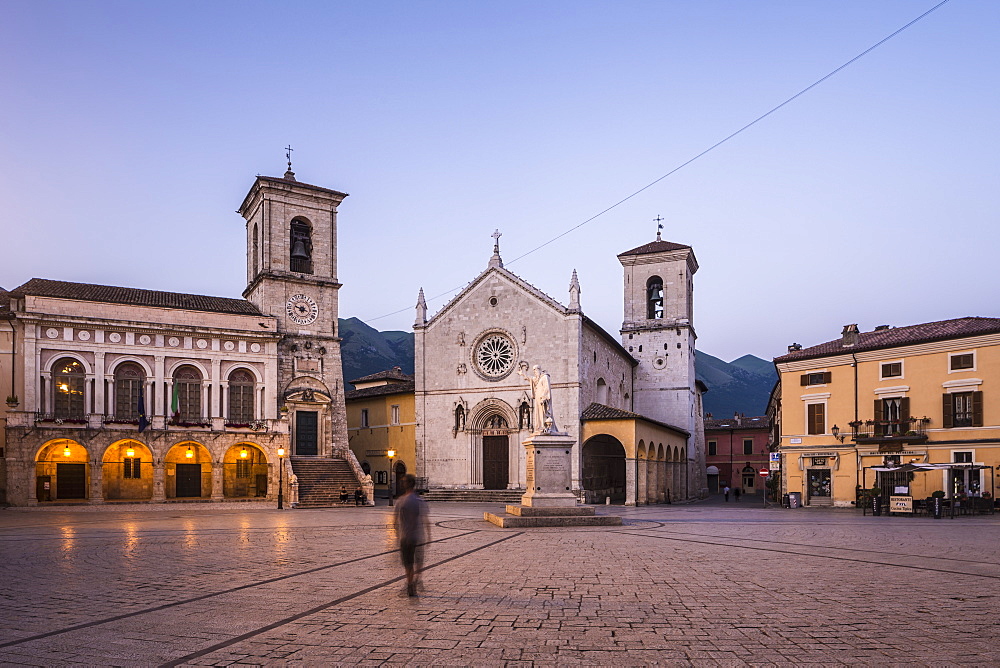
(725,492)
(412,529)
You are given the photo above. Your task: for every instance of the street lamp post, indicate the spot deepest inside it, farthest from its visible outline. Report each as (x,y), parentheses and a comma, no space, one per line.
(391,454)
(281,470)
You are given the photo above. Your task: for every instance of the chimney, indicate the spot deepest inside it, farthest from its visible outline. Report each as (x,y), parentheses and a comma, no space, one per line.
(849,337)
(881,328)
(794,347)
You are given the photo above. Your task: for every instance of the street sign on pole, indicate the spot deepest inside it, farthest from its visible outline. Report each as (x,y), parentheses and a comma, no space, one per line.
(764,473)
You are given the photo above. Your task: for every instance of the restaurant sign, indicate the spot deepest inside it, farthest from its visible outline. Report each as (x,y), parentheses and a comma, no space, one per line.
(900,504)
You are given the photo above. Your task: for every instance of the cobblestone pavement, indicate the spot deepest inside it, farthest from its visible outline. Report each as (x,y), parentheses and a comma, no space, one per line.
(706,584)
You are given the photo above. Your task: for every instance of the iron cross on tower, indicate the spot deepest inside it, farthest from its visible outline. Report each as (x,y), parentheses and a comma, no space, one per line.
(288,154)
(659,226)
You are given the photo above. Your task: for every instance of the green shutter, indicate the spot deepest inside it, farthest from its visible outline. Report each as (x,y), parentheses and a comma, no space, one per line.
(877,411)
(827,376)
(804,379)
(947,411)
(977,409)
(904,409)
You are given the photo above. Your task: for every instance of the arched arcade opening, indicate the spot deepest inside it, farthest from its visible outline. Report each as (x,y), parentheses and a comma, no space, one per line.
(603,469)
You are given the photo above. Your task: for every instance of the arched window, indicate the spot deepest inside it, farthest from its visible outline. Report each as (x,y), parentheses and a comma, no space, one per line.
(602,392)
(128,383)
(300,259)
(241,392)
(255,256)
(68,377)
(185,404)
(654,298)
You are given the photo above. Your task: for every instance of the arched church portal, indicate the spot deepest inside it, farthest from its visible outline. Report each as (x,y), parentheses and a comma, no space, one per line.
(604,469)
(496,452)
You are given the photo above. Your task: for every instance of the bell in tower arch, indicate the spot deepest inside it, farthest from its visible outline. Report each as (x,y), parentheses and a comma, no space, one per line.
(301,253)
(299,250)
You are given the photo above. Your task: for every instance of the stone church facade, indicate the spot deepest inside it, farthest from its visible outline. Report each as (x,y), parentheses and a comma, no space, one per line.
(633,405)
(123,394)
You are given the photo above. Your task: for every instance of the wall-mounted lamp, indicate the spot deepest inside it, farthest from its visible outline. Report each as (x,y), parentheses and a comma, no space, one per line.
(67,452)
(190,453)
(836,433)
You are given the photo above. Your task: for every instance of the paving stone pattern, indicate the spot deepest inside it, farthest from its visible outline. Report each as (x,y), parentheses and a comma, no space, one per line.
(705,584)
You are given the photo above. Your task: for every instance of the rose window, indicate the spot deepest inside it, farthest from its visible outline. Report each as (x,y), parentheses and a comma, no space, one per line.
(495,355)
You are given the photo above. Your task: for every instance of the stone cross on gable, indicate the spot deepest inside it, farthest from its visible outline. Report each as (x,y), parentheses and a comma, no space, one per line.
(496,238)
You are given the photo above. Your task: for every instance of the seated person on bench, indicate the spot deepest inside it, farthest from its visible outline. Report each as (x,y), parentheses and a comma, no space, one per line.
(343,495)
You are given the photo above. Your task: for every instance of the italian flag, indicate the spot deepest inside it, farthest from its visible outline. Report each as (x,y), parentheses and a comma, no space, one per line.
(175,401)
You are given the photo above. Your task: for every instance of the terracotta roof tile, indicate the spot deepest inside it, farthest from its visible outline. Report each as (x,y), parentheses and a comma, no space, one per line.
(43,287)
(901,336)
(380,390)
(597,411)
(395,373)
(743,423)
(654,247)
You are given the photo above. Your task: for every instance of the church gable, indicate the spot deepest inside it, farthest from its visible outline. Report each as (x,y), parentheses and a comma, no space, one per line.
(489,289)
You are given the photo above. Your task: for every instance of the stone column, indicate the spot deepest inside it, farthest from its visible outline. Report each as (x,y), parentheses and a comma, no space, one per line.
(96,481)
(217,469)
(630,480)
(640,479)
(159,480)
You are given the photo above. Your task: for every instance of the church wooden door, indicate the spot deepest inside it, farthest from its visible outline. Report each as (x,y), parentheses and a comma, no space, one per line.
(495,467)
(306,432)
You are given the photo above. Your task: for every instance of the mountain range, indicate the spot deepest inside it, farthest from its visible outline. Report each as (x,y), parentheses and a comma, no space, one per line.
(740,386)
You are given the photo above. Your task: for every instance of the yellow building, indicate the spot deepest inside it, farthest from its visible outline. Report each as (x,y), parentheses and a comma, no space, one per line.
(380,418)
(910,410)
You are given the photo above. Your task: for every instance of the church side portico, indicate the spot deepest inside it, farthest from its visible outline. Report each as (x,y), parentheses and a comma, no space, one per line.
(650,452)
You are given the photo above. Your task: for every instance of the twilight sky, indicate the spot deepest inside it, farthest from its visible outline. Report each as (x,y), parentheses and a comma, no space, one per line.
(131,131)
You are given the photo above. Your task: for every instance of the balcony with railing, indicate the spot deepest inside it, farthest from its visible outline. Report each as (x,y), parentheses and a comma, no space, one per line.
(906,430)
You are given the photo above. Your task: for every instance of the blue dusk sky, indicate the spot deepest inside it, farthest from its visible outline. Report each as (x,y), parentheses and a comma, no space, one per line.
(131,131)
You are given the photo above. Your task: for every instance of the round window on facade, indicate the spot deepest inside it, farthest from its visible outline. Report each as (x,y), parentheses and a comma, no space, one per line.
(493,355)
(494,301)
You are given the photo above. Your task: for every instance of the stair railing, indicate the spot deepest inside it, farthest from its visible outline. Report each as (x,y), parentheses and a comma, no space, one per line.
(365,480)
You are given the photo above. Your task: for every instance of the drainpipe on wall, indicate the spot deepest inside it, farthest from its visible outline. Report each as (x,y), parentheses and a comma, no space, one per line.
(857,466)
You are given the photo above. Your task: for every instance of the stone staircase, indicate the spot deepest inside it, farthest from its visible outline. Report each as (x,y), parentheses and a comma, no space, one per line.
(503,496)
(320,480)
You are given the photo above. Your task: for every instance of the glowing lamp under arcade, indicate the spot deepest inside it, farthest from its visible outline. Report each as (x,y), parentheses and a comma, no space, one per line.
(243,453)
(190,453)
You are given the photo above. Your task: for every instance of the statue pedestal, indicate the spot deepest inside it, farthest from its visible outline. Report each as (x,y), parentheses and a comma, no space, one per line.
(549,471)
(550,501)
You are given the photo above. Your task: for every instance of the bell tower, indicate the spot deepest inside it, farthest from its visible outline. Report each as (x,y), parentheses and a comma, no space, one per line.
(658,330)
(292,274)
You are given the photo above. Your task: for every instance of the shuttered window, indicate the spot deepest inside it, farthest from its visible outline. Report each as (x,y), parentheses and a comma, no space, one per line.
(962,409)
(892,370)
(816,378)
(816,418)
(963,361)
